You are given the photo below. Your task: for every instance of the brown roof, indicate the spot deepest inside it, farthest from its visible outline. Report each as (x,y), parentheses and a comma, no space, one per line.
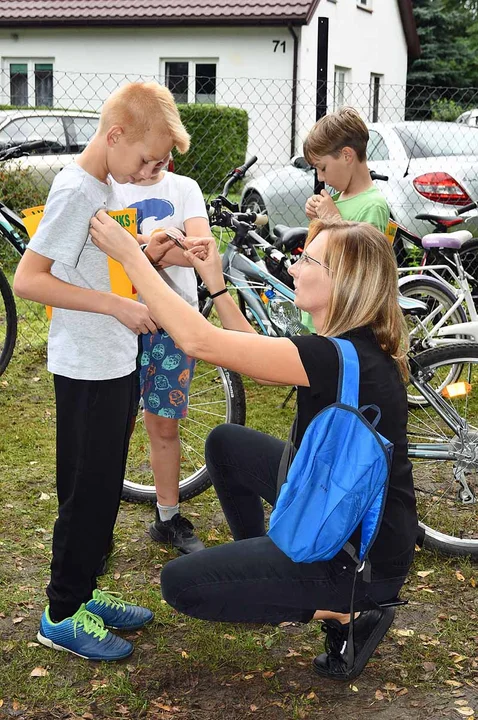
(410,28)
(119,12)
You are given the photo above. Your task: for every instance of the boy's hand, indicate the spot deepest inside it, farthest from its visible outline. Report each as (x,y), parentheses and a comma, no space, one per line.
(133,315)
(160,243)
(109,236)
(321,206)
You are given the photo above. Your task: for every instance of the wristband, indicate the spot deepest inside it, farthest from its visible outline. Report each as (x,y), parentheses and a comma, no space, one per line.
(220,292)
(144,250)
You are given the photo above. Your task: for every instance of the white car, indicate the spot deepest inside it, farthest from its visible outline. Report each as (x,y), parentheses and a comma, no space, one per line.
(470,117)
(432,167)
(66,131)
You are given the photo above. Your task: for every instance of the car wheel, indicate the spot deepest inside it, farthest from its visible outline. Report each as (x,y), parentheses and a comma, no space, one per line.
(254,202)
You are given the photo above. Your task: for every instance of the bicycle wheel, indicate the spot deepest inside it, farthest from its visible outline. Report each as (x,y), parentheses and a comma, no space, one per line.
(216,396)
(445,461)
(8,322)
(438,299)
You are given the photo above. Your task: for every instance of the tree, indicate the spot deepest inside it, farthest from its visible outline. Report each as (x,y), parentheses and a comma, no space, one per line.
(448,38)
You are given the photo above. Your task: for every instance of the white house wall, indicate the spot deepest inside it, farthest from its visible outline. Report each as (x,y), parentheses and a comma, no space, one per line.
(90,63)
(362,42)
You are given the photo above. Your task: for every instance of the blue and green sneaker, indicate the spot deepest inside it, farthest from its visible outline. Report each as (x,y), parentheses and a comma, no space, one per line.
(117,614)
(84,634)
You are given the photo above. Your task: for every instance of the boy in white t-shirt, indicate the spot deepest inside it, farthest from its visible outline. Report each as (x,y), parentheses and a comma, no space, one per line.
(168,200)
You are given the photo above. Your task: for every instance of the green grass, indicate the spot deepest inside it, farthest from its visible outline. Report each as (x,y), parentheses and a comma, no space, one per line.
(206,670)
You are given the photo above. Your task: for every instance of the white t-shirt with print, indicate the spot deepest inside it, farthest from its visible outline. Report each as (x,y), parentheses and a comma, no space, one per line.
(168,203)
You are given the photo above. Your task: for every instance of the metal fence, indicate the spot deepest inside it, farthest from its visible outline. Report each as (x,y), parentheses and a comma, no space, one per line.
(431,160)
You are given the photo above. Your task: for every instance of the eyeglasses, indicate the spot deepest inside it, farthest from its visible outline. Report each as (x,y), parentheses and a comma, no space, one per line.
(305,258)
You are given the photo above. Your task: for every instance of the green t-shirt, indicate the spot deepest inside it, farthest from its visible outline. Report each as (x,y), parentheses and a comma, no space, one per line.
(369,206)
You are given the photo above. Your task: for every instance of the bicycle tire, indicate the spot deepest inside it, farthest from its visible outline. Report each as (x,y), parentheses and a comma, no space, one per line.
(8,322)
(139,488)
(436,295)
(450,522)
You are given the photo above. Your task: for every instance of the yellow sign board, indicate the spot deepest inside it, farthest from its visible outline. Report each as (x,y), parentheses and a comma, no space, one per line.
(391,230)
(119,281)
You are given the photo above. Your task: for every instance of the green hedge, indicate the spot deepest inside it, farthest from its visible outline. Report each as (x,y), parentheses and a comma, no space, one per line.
(218,143)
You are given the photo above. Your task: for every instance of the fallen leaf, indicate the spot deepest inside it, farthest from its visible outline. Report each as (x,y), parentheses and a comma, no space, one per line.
(311,695)
(253,708)
(463,703)
(459,576)
(429,667)
(1,702)
(403,691)
(473,582)
(248,677)
(354,688)
(88,716)
(454,683)
(424,573)
(390,686)
(39,672)
(194,514)
(130,668)
(33,462)
(379,695)
(18,620)
(36,379)
(292,653)
(33,644)
(268,674)
(184,654)
(404,633)
(465,711)
(229,637)
(16,705)
(459,658)
(117,575)
(122,709)
(285,624)
(44,496)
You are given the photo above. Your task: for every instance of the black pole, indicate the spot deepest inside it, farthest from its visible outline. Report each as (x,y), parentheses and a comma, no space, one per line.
(294,91)
(321,87)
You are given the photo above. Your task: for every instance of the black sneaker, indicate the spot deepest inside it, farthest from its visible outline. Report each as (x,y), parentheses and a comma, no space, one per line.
(178,532)
(369,629)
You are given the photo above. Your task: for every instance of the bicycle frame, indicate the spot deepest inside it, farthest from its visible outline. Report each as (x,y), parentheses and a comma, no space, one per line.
(440,335)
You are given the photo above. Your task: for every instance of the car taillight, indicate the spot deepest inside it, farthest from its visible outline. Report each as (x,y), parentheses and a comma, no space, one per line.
(170,167)
(441,187)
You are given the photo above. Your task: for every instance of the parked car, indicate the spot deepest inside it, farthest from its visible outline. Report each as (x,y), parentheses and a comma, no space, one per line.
(470,117)
(432,167)
(66,131)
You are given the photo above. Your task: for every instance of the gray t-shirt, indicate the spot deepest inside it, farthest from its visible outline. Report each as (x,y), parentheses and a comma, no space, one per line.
(81,345)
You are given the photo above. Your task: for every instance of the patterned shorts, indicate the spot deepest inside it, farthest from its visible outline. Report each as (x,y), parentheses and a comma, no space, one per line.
(165,376)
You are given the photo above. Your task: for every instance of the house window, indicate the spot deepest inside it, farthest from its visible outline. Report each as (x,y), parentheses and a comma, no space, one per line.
(375,84)
(341,80)
(31,82)
(191,81)
(365,4)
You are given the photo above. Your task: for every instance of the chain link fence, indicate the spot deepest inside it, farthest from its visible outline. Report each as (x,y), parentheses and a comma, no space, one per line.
(424,139)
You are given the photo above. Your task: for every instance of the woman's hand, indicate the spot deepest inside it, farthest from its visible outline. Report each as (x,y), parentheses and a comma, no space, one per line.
(114,240)
(205,259)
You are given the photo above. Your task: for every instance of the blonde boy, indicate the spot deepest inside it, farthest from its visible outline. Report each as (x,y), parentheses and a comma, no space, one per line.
(92,349)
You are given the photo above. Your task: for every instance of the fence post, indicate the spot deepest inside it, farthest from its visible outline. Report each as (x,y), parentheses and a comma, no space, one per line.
(321,87)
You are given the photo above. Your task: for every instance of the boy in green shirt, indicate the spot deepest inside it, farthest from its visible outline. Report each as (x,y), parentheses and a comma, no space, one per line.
(337,148)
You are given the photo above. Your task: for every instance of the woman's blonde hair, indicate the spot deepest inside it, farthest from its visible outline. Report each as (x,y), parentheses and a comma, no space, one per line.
(364,285)
(141,107)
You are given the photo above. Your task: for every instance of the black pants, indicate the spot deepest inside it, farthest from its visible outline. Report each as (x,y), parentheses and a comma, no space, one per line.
(92,434)
(251,580)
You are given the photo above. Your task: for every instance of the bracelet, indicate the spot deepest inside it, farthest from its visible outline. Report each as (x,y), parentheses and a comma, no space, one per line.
(145,252)
(220,292)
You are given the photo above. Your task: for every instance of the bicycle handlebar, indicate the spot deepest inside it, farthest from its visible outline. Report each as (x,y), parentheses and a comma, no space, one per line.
(376,176)
(16,151)
(467,208)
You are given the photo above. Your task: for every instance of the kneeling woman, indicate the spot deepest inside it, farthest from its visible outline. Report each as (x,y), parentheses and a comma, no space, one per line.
(347,281)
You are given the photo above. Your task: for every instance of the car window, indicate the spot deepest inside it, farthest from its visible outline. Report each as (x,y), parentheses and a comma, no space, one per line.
(376,147)
(436,141)
(80,130)
(34,127)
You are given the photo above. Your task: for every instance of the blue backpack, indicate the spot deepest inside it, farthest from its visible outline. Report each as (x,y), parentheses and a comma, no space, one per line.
(337,479)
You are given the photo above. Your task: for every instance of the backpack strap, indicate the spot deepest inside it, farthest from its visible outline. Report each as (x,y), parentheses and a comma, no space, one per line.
(287,456)
(349,372)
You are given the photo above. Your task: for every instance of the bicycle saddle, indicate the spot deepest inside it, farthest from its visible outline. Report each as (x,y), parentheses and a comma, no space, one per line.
(451,241)
(289,238)
(411,306)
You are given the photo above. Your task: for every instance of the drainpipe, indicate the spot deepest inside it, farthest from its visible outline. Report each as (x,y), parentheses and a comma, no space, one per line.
(294,90)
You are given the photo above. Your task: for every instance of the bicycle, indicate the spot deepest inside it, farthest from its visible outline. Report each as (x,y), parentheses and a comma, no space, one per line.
(11,230)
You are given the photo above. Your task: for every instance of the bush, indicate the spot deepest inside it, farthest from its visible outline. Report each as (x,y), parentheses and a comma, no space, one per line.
(19,189)
(447,110)
(218,143)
